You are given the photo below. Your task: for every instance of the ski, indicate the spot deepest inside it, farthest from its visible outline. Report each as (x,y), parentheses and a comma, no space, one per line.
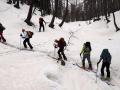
(86,69)
(12,46)
(81,67)
(25,49)
(108,82)
(62,61)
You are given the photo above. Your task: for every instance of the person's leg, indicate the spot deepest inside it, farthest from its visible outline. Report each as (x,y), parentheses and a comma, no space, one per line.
(102,69)
(2,37)
(24,43)
(62,52)
(89,61)
(83,61)
(108,69)
(43,28)
(40,29)
(28,41)
(59,54)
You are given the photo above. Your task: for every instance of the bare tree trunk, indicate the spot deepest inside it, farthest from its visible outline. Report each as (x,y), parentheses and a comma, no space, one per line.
(9,2)
(30,14)
(66,12)
(54,15)
(14,1)
(117,28)
(17,5)
(107,19)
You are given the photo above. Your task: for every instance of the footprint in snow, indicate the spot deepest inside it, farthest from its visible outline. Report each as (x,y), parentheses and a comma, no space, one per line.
(52,77)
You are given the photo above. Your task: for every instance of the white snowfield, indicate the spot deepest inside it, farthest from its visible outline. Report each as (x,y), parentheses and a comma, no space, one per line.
(35,70)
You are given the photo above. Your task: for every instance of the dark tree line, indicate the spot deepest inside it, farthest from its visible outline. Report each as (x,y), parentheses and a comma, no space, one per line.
(69,12)
(15,2)
(93,9)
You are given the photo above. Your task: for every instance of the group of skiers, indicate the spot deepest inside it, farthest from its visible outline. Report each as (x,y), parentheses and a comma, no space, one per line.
(26,35)
(105,56)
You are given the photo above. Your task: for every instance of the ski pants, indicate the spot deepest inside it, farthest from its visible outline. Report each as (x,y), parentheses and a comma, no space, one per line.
(41,26)
(107,65)
(2,37)
(87,56)
(61,53)
(27,40)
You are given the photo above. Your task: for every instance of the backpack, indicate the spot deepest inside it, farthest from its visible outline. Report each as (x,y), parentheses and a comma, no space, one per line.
(87,49)
(88,46)
(1,27)
(106,56)
(30,34)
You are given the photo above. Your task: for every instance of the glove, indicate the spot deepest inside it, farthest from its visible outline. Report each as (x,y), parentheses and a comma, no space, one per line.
(55,46)
(21,35)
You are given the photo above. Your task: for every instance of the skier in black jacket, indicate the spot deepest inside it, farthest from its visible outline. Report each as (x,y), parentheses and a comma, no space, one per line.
(41,20)
(106,61)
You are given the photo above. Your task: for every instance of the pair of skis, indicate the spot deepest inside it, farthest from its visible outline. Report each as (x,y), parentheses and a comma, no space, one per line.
(108,82)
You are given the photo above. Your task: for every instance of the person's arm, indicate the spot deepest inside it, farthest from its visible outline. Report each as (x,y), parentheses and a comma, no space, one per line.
(82,50)
(23,35)
(56,43)
(44,21)
(99,61)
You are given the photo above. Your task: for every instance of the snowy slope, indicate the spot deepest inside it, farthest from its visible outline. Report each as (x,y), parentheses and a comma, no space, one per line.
(35,70)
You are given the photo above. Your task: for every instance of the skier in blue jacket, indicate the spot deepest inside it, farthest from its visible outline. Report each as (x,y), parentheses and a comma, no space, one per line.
(105,57)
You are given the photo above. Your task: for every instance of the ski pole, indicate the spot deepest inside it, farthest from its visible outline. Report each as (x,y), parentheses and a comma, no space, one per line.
(96,73)
(54,51)
(81,57)
(20,43)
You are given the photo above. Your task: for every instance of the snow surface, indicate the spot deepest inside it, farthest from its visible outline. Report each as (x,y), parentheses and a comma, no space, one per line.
(35,70)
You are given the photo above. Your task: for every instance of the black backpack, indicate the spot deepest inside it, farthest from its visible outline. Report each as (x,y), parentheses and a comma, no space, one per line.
(88,45)
(1,27)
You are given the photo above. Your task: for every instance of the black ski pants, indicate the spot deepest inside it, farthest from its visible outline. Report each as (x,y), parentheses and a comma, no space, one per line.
(41,26)
(27,40)
(61,53)
(87,56)
(2,37)
(107,66)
